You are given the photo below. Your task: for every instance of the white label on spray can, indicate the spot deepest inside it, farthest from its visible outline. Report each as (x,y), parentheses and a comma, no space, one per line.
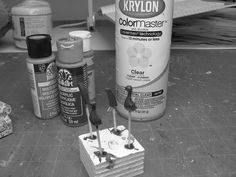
(143,38)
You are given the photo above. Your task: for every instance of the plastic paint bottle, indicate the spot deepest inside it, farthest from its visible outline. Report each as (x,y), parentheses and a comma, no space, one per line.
(143,40)
(72,71)
(42,71)
(30,17)
(89,58)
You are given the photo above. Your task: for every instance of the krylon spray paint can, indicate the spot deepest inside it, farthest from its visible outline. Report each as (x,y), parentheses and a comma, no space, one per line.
(42,71)
(71,72)
(143,40)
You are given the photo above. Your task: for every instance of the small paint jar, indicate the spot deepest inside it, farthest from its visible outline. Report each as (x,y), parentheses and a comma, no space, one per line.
(30,17)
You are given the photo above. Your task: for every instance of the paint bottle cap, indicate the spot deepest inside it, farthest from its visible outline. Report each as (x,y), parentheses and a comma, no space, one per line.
(85,35)
(70,50)
(39,45)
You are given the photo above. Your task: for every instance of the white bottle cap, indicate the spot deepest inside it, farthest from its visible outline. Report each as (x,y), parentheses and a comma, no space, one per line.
(85,35)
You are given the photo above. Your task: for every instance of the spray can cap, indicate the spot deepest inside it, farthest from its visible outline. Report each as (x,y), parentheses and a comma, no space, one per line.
(39,45)
(69,50)
(85,35)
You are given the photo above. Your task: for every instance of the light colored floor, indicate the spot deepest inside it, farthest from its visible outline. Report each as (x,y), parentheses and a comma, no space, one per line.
(102,38)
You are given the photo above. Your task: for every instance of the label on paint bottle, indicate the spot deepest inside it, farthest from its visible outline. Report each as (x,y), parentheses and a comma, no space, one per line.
(44,89)
(72,107)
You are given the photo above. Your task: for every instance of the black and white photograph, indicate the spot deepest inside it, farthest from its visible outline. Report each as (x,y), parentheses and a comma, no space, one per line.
(117,88)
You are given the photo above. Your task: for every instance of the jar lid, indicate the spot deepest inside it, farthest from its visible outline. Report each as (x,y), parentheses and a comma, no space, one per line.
(70,50)
(85,35)
(39,45)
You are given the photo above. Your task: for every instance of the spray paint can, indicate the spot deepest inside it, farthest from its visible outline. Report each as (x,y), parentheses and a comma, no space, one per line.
(30,17)
(42,71)
(71,72)
(143,40)
(89,58)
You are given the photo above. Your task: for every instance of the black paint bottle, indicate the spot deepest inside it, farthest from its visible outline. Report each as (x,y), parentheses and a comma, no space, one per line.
(72,71)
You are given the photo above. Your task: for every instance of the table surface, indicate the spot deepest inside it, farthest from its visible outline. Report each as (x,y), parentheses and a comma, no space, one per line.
(195,138)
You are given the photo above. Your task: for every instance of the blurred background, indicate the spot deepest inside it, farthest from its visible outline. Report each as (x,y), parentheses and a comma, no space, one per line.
(75,9)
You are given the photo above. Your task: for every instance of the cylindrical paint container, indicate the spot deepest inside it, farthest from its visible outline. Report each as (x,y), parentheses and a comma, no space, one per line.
(143,40)
(71,72)
(30,17)
(42,71)
(89,58)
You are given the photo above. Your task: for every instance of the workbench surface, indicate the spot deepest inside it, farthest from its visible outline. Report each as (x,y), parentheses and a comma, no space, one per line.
(195,138)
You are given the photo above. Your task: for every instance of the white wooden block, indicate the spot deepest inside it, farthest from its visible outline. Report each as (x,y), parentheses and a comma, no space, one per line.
(117,159)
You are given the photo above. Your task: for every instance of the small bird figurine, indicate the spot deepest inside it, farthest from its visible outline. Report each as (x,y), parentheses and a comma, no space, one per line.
(129,103)
(94,118)
(130,106)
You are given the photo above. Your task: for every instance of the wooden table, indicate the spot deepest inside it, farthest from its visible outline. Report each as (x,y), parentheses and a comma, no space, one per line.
(196,136)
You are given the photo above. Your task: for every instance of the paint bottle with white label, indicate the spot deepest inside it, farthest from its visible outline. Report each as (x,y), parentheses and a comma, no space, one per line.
(89,58)
(143,40)
(30,17)
(42,71)
(72,72)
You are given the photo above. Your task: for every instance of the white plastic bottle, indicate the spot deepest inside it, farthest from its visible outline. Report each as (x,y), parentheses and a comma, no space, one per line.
(143,40)
(89,58)
(42,72)
(30,17)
